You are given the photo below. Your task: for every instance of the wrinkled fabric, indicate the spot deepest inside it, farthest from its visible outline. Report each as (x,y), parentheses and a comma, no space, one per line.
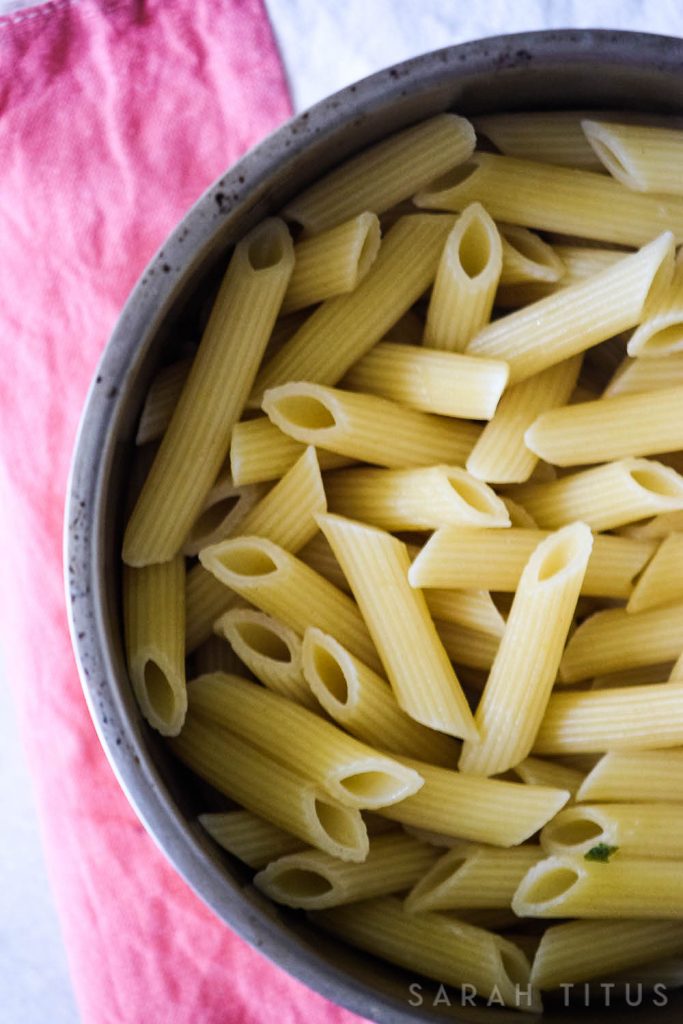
(114,117)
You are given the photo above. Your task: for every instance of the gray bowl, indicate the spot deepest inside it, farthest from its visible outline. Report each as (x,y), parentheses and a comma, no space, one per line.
(554,70)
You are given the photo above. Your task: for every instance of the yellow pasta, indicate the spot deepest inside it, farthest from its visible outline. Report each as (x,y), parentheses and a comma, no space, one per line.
(526,257)
(494,559)
(637,375)
(634,829)
(154,619)
(571,202)
(466,281)
(332,263)
(249,838)
(579,316)
(662,580)
(416,664)
(384,174)
(197,439)
(226,506)
(661,332)
(368,428)
(501,455)
(313,880)
(554,137)
(161,400)
(518,689)
(362,702)
(472,877)
(646,717)
(610,428)
(470,647)
(415,499)
(614,639)
(579,262)
(343,329)
(642,157)
(259,451)
(351,772)
(448,383)
(537,772)
(635,775)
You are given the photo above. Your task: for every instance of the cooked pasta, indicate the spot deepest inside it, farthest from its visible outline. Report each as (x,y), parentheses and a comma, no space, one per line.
(554,137)
(526,257)
(635,775)
(634,376)
(472,877)
(661,332)
(662,579)
(634,829)
(249,838)
(642,157)
(259,451)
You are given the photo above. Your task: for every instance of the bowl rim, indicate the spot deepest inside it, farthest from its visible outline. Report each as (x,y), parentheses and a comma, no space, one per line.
(84,540)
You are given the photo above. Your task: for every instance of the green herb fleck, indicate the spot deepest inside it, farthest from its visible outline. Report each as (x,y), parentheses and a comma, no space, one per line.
(601,852)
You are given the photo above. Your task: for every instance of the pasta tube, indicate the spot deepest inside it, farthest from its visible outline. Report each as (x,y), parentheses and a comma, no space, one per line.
(259,451)
(610,428)
(249,838)
(606,496)
(436,945)
(472,876)
(332,263)
(283,586)
(469,647)
(501,455)
(162,398)
(570,202)
(495,559)
(581,315)
(526,257)
(466,281)
(518,689)
(614,639)
(384,174)
(537,772)
(313,880)
(415,499)
(662,580)
(636,830)
(646,717)
(154,621)
(270,790)
(197,439)
(225,507)
(577,951)
(661,332)
(363,703)
(343,329)
(416,664)
(448,383)
(642,157)
(553,137)
(579,262)
(637,375)
(635,775)
(575,887)
(368,428)
(354,774)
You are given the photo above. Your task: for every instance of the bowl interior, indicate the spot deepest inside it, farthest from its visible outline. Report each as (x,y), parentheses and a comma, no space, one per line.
(554,70)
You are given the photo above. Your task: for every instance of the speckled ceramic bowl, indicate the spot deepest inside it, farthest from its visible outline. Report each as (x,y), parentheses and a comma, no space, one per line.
(554,70)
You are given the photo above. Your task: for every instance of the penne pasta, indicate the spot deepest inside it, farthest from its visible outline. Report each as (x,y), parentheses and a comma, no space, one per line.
(417,666)
(480,877)
(551,198)
(284,587)
(424,498)
(501,455)
(214,655)
(259,451)
(517,691)
(657,528)
(351,772)
(160,401)
(526,257)
(634,376)
(581,315)
(495,559)
(537,772)
(466,281)
(615,639)
(333,262)
(225,507)
(270,790)
(632,676)
(436,945)
(606,496)
(362,702)
(642,157)
(473,609)
(661,582)
(343,329)
(269,649)
(635,775)
(447,383)
(313,880)
(468,647)
(633,718)
(634,829)
(197,439)
(577,951)
(251,839)
(553,137)
(154,626)
(661,332)
(576,887)
(609,428)
(579,262)
(368,428)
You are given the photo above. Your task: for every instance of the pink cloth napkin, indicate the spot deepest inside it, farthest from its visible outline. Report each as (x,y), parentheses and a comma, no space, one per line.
(114,117)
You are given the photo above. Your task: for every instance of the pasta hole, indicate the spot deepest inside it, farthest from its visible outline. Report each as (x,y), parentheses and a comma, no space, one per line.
(248,560)
(212,517)
(306,412)
(337,822)
(669,339)
(575,833)
(331,675)
(474,249)
(264,641)
(656,480)
(376,787)
(473,495)
(159,692)
(303,883)
(561,554)
(444,870)
(551,884)
(265,250)
(610,158)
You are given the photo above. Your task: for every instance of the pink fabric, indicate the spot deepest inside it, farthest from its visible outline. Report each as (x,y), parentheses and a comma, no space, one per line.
(114,117)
